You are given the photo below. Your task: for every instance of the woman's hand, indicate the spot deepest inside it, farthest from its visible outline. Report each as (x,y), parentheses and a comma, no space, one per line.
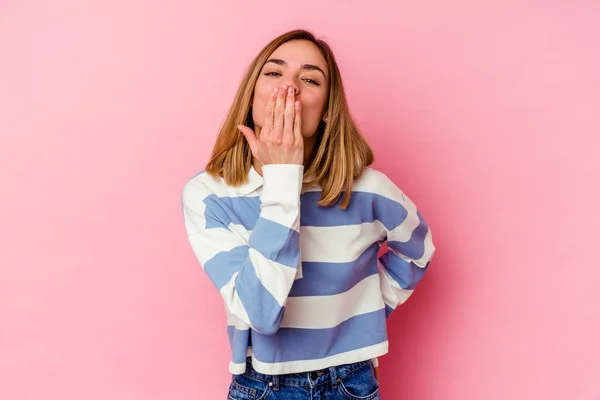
(280,140)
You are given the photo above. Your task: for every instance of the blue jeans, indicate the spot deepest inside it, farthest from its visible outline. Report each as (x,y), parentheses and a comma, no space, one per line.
(344,382)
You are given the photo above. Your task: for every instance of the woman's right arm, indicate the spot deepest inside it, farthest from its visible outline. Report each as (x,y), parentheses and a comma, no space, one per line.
(254,278)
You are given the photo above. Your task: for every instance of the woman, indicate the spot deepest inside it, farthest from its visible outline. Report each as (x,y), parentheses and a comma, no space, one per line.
(287,221)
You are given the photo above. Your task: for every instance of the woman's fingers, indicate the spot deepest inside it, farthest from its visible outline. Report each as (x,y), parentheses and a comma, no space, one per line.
(298,121)
(288,122)
(250,138)
(269,113)
(281,142)
(277,133)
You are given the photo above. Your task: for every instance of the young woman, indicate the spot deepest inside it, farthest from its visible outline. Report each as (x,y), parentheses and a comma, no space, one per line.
(287,221)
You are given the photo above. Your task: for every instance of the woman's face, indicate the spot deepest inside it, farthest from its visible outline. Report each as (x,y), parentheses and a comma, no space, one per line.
(299,64)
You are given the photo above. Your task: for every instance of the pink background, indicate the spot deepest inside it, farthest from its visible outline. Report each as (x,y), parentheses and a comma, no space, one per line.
(485,113)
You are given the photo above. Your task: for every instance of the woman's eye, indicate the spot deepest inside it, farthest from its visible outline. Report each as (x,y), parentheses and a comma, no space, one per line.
(277,74)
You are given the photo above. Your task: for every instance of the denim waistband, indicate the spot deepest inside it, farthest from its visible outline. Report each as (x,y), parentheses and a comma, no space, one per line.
(310,379)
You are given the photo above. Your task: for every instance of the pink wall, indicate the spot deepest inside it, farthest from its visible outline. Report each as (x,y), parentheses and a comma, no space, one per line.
(487,115)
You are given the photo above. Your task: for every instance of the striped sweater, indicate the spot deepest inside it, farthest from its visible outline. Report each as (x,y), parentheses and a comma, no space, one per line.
(305,287)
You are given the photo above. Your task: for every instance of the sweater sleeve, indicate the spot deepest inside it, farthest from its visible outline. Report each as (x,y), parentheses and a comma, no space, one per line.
(254,277)
(409,249)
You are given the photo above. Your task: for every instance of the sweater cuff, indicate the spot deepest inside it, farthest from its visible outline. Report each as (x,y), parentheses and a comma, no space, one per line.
(280,197)
(282,182)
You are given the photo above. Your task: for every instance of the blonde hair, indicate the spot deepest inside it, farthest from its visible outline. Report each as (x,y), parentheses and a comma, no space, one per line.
(341,153)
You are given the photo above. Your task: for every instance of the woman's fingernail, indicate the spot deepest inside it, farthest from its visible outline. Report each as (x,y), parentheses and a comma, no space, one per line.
(290,90)
(283,89)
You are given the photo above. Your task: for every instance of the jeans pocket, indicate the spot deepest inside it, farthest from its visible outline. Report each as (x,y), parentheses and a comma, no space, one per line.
(360,384)
(243,387)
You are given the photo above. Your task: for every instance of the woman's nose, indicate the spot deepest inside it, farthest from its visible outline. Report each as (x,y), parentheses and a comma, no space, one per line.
(293,84)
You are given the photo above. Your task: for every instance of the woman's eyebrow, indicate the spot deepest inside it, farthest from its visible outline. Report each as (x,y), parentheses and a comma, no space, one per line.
(308,67)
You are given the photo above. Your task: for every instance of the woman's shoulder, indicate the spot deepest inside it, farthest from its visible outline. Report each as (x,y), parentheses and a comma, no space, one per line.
(376,182)
(203,185)
(371,174)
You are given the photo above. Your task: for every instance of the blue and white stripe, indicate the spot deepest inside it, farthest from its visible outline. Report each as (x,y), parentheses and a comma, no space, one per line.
(303,285)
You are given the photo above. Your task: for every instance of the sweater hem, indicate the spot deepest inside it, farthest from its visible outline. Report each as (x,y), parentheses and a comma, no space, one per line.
(288,367)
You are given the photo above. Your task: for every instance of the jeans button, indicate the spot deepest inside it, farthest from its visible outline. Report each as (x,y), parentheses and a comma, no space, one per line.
(313,375)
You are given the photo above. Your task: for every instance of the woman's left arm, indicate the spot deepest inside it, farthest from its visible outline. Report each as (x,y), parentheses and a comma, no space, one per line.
(410,248)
